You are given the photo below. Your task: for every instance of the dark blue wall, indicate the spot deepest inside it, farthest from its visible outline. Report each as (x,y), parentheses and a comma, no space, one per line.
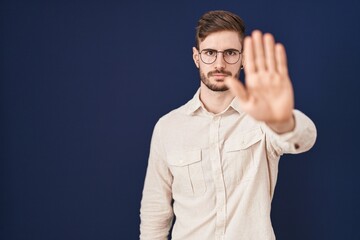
(83,83)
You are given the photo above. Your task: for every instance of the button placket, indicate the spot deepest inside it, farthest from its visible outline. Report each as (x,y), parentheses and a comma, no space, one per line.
(218,177)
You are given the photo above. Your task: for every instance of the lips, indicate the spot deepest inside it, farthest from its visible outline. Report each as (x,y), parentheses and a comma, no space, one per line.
(219,77)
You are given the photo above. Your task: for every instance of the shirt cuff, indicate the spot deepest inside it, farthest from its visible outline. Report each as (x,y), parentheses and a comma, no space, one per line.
(300,139)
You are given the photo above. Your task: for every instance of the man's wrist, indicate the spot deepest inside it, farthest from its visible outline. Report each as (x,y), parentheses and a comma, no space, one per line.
(284,126)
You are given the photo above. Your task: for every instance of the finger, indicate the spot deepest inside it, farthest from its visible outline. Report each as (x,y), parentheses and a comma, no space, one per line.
(281,60)
(269,43)
(236,87)
(259,50)
(249,62)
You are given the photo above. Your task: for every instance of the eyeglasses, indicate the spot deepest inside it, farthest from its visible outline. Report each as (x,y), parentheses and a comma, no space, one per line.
(231,56)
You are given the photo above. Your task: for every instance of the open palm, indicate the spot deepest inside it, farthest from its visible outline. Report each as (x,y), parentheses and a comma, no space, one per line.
(267,95)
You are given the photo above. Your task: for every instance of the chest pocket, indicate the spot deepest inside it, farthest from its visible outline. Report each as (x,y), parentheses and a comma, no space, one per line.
(240,161)
(187,170)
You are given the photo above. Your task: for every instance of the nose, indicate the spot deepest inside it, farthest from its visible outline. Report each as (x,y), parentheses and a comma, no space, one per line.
(220,62)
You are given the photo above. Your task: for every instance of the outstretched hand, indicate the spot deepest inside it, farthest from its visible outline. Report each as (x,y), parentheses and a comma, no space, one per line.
(267,95)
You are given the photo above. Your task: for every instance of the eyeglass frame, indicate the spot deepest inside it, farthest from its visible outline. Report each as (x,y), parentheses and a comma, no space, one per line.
(217,52)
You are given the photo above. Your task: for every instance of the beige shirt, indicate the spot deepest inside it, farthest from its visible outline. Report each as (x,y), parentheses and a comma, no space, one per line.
(216,173)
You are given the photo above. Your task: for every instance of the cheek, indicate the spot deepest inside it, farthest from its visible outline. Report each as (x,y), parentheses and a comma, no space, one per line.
(204,68)
(202,72)
(235,69)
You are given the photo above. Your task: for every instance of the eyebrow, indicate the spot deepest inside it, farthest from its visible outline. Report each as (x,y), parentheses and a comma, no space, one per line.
(228,49)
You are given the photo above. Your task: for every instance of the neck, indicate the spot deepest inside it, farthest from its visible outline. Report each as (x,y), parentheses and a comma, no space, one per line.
(215,102)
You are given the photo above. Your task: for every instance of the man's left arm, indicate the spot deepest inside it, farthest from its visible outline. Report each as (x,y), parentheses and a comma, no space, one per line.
(268,96)
(297,136)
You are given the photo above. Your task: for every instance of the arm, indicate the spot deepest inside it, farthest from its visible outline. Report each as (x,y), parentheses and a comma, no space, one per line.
(156,205)
(268,95)
(300,139)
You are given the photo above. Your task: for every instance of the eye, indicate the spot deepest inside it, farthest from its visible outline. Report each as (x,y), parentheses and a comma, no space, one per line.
(210,52)
(231,53)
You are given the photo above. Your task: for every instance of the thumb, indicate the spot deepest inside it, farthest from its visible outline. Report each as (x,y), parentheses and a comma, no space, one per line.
(236,88)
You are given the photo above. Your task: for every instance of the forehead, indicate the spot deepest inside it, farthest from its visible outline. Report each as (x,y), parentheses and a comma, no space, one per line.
(221,40)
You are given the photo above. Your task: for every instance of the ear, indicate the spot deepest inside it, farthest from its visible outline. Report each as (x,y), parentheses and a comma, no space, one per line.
(243,62)
(196,57)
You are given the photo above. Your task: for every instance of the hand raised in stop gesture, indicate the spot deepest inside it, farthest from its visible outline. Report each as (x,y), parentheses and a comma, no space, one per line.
(268,94)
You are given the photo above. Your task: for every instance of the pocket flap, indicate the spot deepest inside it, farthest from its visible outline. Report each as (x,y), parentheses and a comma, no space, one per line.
(184,158)
(244,140)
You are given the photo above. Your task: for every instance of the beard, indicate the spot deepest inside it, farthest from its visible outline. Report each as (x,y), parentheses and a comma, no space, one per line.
(213,86)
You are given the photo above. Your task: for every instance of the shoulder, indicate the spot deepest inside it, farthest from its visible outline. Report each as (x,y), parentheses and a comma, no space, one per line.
(175,116)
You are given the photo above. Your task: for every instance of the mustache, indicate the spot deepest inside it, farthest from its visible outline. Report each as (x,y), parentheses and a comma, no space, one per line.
(217,72)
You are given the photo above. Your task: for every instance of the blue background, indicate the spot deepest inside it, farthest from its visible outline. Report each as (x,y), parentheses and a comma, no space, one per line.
(83,83)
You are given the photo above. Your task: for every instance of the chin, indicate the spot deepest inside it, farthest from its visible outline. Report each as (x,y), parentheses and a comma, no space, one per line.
(217,88)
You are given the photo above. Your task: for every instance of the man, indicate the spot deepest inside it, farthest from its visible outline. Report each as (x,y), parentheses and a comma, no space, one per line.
(213,162)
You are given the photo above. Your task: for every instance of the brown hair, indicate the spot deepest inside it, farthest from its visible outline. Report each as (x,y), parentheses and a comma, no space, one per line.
(215,21)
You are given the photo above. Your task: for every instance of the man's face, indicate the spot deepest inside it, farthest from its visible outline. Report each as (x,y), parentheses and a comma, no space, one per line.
(213,75)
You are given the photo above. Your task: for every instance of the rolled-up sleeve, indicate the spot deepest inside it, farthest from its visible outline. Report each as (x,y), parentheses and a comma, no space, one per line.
(301,139)
(156,212)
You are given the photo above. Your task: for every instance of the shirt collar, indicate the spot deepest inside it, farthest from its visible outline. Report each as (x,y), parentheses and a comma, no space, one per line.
(195,103)
(235,104)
